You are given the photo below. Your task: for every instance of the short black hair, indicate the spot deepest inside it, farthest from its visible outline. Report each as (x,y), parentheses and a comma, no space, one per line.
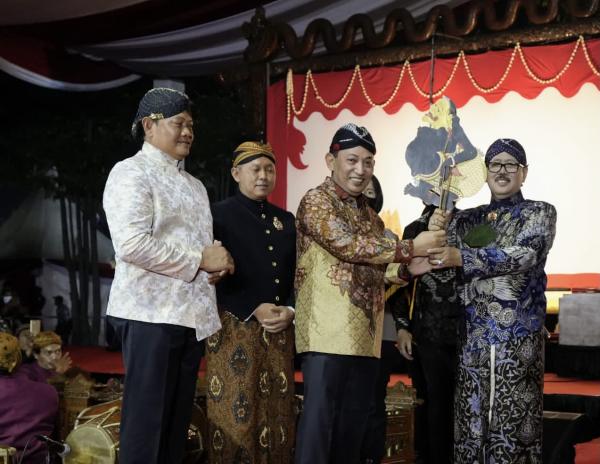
(377,202)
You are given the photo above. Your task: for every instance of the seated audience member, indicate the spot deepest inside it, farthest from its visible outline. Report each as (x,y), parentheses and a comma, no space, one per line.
(25,338)
(50,360)
(27,408)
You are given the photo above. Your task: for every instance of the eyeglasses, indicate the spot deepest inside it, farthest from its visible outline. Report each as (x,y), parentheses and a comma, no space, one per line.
(511,168)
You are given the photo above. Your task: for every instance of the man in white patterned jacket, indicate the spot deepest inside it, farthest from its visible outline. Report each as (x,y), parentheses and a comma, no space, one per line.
(162,302)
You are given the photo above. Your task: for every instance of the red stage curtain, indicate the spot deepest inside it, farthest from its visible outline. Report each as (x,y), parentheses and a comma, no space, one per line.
(526,70)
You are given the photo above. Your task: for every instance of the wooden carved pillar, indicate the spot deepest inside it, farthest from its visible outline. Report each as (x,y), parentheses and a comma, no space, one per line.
(258,83)
(262,43)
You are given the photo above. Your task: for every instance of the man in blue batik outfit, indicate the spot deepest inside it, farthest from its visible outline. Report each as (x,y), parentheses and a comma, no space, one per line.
(501,249)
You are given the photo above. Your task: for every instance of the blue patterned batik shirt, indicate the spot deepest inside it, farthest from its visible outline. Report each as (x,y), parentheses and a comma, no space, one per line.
(504,280)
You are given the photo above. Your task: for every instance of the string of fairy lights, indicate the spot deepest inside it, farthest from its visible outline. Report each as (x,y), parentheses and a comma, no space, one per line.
(309,81)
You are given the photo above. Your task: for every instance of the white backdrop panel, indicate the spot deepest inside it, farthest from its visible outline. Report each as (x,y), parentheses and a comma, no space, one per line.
(561,137)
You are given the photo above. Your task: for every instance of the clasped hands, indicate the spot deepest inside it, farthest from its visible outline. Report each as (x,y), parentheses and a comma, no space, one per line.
(430,248)
(273,319)
(217,262)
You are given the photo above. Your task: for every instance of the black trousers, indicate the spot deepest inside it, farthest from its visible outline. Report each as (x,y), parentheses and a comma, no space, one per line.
(337,402)
(373,448)
(434,372)
(161,369)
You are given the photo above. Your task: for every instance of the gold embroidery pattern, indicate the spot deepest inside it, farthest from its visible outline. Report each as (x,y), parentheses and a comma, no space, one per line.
(492,216)
(283,436)
(256,398)
(283,383)
(277,223)
(213,342)
(347,330)
(264,384)
(215,389)
(241,408)
(348,233)
(263,438)
(217,441)
(239,361)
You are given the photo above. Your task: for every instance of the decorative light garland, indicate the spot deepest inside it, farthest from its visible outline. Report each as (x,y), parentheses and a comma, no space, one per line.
(494,87)
(343,98)
(517,51)
(539,80)
(394,92)
(588,58)
(440,92)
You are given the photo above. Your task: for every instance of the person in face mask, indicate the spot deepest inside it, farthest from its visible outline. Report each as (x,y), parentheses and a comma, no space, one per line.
(12,312)
(6,296)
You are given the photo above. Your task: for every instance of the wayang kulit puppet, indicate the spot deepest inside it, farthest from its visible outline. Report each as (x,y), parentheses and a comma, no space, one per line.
(444,164)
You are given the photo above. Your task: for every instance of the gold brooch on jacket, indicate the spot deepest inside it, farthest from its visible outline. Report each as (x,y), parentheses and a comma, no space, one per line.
(277,223)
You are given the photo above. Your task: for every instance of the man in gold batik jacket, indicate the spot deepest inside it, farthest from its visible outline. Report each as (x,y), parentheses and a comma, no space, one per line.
(342,258)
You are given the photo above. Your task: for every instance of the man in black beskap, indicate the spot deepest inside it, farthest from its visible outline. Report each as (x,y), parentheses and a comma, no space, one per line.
(250,373)
(429,339)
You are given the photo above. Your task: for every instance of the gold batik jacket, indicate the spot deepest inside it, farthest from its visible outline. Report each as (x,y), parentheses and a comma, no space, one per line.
(342,256)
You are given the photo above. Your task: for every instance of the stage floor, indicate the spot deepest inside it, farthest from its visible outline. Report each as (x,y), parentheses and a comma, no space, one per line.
(98,360)
(553,385)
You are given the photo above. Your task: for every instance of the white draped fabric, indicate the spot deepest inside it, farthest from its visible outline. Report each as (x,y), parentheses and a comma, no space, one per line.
(191,51)
(39,79)
(220,44)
